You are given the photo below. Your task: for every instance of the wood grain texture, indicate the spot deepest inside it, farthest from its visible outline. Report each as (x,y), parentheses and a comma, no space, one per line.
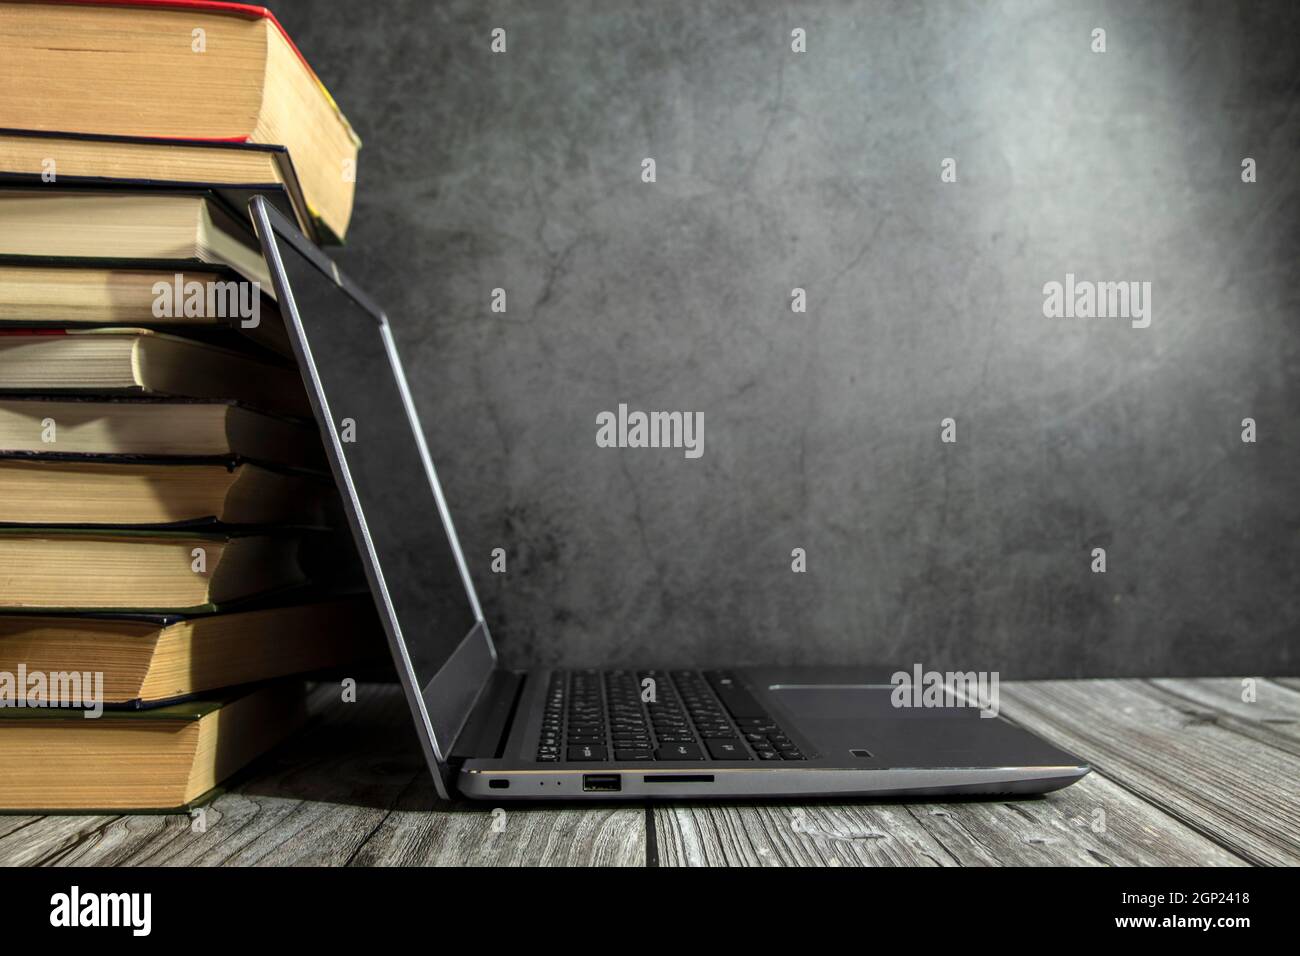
(31,841)
(1272,717)
(478,834)
(1062,829)
(1192,747)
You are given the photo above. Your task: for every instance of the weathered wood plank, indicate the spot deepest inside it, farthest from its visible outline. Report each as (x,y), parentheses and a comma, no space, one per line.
(1063,828)
(1273,717)
(9,824)
(1190,759)
(478,834)
(38,840)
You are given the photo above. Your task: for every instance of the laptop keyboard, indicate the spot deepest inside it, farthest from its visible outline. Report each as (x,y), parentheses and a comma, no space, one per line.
(593,716)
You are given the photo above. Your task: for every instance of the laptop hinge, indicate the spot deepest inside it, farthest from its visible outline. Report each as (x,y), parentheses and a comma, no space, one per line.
(453,693)
(488,725)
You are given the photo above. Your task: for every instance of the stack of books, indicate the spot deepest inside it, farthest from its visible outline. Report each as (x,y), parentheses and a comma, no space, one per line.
(172,560)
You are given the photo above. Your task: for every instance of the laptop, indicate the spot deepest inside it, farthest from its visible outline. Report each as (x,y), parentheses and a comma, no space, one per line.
(492,731)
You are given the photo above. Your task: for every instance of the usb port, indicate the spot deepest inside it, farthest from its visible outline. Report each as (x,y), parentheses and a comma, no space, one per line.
(602,782)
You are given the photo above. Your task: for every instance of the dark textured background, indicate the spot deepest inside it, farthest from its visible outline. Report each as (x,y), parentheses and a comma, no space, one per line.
(821,170)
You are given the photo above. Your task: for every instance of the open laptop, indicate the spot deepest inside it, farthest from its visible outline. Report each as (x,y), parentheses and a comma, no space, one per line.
(493,732)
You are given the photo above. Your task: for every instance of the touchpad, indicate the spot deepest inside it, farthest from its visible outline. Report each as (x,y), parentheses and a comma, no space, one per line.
(850,701)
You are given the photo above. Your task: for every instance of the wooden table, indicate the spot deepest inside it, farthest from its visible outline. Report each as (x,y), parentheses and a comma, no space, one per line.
(1185,773)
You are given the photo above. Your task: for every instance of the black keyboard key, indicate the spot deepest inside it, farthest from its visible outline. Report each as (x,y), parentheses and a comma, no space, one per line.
(727,750)
(681,751)
(587,752)
(639,753)
(734,697)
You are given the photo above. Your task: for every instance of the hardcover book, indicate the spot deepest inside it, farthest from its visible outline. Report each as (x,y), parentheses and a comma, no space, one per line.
(160,759)
(178,69)
(235,171)
(153,428)
(147,659)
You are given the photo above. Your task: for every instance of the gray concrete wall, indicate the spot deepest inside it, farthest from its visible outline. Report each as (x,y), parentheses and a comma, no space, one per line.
(821,170)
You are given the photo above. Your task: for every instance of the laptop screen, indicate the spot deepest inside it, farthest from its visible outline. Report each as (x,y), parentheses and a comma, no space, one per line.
(416,564)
